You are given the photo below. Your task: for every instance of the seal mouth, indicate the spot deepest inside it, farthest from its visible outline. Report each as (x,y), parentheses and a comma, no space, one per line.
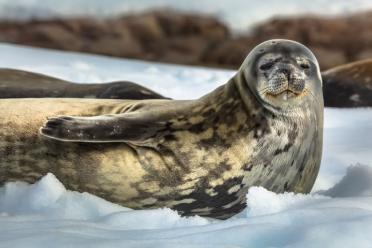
(285,95)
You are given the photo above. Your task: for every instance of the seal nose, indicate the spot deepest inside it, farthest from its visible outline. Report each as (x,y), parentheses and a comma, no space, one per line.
(285,77)
(286,69)
(297,84)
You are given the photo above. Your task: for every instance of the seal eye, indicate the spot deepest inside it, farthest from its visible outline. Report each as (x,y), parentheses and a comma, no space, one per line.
(267,66)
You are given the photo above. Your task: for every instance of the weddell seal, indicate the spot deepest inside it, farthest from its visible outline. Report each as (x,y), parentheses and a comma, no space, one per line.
(24,84)
(262,128)
(349,85)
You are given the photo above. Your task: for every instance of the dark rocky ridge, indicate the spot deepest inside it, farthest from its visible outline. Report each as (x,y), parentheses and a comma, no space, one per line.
(185,38)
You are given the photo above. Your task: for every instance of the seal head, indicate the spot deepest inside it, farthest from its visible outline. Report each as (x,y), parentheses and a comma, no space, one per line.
(282,74)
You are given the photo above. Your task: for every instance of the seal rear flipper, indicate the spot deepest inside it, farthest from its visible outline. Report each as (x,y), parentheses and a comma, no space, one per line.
(24,84)
(348,85)
(101,129)
(128,90)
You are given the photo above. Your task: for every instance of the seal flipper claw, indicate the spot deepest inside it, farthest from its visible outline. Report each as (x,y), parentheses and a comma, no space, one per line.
(73,129)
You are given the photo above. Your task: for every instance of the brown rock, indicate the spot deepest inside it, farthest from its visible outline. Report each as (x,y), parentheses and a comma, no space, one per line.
(329,58)
(145,29)
(229,54)
(366,54)
(53,36)
(125,47)
(170,36)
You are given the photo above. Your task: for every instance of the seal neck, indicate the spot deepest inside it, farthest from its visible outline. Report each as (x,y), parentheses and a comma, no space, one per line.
(236,89)
(239,85)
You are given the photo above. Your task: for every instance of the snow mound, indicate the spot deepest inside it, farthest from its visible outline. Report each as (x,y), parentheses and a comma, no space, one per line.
(356,182)
(263,202)
(49,198)
(46,214)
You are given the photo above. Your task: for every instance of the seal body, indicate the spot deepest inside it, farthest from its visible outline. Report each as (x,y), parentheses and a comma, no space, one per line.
(198,157)
(349,85)
(23,84)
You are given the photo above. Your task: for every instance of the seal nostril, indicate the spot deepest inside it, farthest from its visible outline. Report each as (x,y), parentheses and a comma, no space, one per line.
(297,85)
(305,66)
(286,72)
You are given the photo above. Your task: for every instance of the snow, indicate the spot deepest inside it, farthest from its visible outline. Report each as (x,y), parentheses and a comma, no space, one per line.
(239,14)
(97,69)
(347,141)
(338,213)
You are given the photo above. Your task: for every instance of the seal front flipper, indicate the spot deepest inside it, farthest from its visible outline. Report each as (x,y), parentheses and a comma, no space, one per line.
(125,127)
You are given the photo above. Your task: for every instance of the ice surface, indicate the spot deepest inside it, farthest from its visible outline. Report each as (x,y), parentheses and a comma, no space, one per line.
(337,214)
(181,82)
(356,182)
(61,218)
